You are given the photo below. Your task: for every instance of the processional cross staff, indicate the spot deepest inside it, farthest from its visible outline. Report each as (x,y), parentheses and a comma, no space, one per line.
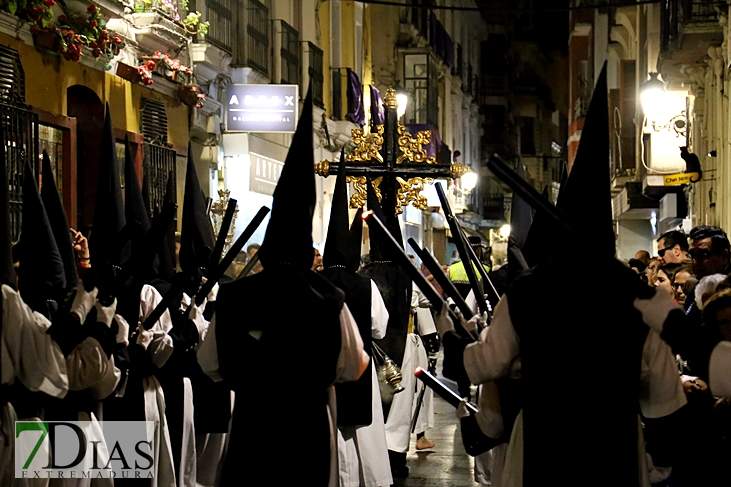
(398,166)
(396,163)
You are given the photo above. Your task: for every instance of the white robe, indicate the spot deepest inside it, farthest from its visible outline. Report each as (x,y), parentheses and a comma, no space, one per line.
(160,350)
(403,407)
(30,356)
(497,354)
(362,451)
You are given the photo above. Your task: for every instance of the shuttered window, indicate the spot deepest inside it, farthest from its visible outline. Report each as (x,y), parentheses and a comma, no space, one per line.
(154,122)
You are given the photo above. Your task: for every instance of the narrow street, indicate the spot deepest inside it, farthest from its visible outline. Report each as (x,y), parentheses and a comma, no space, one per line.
(447,464)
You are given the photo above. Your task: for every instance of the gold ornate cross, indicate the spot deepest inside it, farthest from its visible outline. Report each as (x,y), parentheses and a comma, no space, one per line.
(396,162)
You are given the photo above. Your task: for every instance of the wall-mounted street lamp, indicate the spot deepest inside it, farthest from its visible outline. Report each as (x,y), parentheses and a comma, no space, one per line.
(469,180)
(652,94)
(402,100)
(657,103)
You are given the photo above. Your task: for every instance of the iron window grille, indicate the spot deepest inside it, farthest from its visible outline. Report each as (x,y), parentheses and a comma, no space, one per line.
(290,54)
(19,128)
(315,73)
(220,29)
(257,31)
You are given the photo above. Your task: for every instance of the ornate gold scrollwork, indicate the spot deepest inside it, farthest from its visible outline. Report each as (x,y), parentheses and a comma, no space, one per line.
(412,149)
(410,192)
(367,146)
(360,197)
(218,209)
(322,168)
(457,170)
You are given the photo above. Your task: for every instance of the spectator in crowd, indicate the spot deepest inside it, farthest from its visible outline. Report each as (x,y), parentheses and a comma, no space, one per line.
(665,275)
(709,250)
(679,281)
(317,260)
(651,271)
(672,247)
(643,256)
(251,250)
(706,288)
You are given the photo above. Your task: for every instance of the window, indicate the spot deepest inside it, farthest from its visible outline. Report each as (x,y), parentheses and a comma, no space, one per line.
(220,15)
(20,127)
(154,122)
(290,55)
(51,141)
(314,70)
(420,78)
(158,163)
(257,31)
(527,136)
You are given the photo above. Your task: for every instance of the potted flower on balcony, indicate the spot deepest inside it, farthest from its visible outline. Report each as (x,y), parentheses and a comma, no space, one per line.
(191,96)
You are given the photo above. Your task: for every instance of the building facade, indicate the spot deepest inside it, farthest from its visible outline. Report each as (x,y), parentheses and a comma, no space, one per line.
(683,42)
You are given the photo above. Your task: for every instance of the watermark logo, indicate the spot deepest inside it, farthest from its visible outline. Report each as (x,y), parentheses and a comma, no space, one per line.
(84,449)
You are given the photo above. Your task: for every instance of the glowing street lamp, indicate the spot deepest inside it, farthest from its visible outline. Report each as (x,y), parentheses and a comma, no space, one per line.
(652,97)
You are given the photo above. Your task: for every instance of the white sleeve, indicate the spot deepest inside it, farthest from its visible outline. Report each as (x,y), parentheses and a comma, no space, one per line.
(86,364)
(161,347)
(353,360)
(90,368)
(472,302)
(379,313)
(661,390)
(208,353)
(27,352)
(498,349)
(719,370)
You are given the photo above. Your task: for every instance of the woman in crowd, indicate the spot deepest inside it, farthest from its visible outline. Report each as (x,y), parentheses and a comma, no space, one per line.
(651,272)
(681,277)
(665,275)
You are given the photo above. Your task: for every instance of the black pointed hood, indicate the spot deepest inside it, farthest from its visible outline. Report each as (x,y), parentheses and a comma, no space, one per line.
(166,254)
(379,251)
(59,222)
(586,198)
(135,209)
(41,267)
(146,195)
(134,204)
(539,237)
(196,237)
(288,237)
(356,241)
(338,237)
(521,216)
(109,212)
(7,272)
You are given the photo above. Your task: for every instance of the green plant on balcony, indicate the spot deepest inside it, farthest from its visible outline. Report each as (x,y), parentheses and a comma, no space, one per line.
(167,8)
(38,12)
(192,23)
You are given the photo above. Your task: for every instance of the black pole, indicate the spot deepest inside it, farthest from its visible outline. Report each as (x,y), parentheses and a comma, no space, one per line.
(462,249)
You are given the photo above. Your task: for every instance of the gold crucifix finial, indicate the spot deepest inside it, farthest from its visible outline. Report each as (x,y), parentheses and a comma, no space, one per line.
(390,99)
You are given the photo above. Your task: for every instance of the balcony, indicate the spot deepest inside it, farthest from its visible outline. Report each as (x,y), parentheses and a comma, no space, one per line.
(687,29)
(220,30)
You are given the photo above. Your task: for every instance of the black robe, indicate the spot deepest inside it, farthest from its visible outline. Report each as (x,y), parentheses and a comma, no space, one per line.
(581,351)
(354,398)
(282,379)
